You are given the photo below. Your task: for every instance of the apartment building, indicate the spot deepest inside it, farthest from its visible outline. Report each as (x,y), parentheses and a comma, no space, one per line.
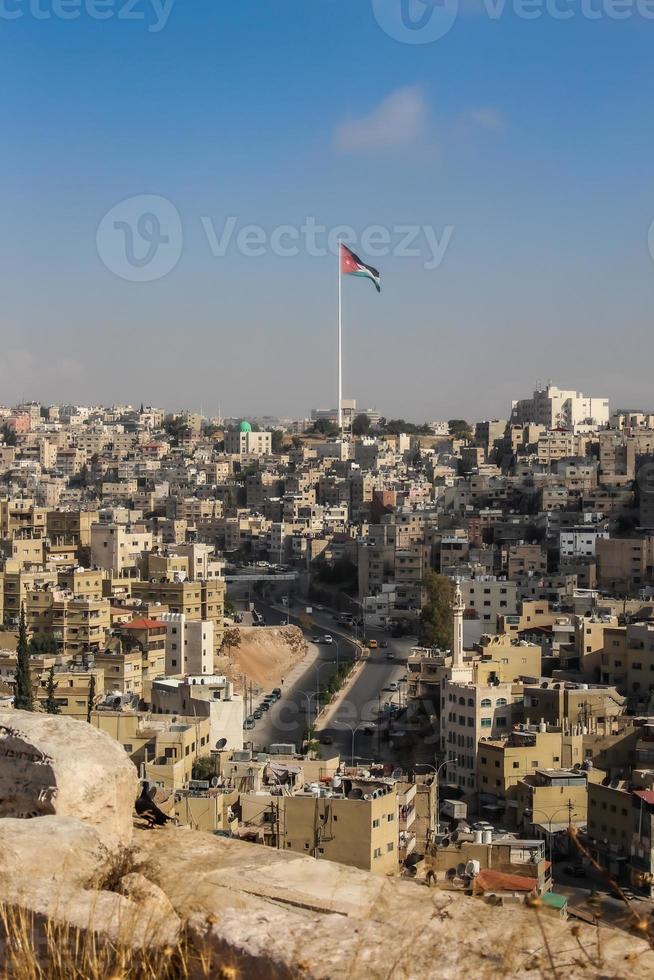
(118,548)
(78,624)
(503,762)
(189,644)
(487,598)
(201,600)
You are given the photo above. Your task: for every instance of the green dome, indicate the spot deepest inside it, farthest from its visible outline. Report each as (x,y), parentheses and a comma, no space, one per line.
(244,426)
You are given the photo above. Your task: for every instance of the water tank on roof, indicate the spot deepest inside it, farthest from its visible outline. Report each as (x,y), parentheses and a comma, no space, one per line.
(487,837)
(478,836)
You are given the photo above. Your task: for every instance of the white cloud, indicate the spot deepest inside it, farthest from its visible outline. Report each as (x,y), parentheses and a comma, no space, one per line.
(486,117)
(400,120)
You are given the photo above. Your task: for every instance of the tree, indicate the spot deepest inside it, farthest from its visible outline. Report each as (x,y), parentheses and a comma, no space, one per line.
(51,705)
(232,638)
(436,615)
(45,643)
(277,440)
(360,425)
(323,427)
(90,704)
(23,697)
(9,435)
(297,442)
(204,767)
(460,429)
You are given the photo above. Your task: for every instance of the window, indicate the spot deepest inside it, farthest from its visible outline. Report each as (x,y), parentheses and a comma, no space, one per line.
(500,701)
(127,746)
(375,822)
(390,846)
(486,702)
(516,765)
(377,852)
(486,722)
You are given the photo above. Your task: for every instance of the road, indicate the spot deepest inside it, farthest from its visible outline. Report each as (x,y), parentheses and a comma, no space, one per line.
(287,720)
(364,699)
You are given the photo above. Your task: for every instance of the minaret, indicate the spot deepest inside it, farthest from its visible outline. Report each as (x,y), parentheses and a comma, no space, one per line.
(457,628)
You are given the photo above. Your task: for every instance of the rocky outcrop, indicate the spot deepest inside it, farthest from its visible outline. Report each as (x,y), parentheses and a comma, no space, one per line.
(55,765)
(271,914)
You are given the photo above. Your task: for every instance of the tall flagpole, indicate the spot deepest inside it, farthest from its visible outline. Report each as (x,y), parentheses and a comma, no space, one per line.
(340,341)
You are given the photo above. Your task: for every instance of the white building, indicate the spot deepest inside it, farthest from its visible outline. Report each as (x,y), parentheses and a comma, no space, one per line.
(189,645)
(580,542)
(243,441)
(559,409)
(203,696)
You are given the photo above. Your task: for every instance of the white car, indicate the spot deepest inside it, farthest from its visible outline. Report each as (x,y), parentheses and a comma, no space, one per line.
(328,638)
(393,686)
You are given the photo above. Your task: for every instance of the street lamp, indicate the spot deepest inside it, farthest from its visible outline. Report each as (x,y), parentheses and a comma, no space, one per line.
(436,770)
(354,729)
(314,694)
(549,818)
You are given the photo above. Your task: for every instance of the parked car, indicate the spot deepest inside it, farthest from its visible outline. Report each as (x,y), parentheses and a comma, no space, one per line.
(383,644)
(265,706)
(393,686)
(328,638)
(326,740)
(277,691)
(257,713)
(368,730)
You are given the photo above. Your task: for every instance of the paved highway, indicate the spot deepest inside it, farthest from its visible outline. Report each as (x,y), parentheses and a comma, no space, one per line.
(287,720)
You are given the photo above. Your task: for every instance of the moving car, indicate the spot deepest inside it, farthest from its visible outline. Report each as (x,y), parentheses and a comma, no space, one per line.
(393,686)
(328,638)
(372,644)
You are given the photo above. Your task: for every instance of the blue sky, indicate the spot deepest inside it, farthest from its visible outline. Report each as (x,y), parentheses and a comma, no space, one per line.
(530,140)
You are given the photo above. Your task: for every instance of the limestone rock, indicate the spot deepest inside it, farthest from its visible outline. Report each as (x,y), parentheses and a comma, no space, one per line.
(57,850)
(55,765)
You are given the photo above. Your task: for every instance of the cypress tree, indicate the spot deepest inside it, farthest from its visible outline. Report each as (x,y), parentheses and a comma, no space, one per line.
(51,705)
(23,697)
(91,701)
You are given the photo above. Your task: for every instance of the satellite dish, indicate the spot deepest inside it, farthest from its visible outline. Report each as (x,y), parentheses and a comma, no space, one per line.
(445,842)
(221,743)
(455,836)
(117,702)
(214,781)
(355,794)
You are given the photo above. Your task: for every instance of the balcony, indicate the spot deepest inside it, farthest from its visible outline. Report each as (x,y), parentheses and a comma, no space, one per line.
(407,844)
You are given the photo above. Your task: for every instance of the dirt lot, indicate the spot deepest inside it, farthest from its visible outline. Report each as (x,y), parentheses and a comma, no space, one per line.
(264,653)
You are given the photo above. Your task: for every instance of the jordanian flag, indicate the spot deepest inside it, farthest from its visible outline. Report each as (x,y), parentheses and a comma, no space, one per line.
(351,265)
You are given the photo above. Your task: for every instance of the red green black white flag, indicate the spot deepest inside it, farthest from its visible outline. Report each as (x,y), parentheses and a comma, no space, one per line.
(351,265)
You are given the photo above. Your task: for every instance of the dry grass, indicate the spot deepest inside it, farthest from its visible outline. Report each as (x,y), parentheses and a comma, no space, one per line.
(35,949)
